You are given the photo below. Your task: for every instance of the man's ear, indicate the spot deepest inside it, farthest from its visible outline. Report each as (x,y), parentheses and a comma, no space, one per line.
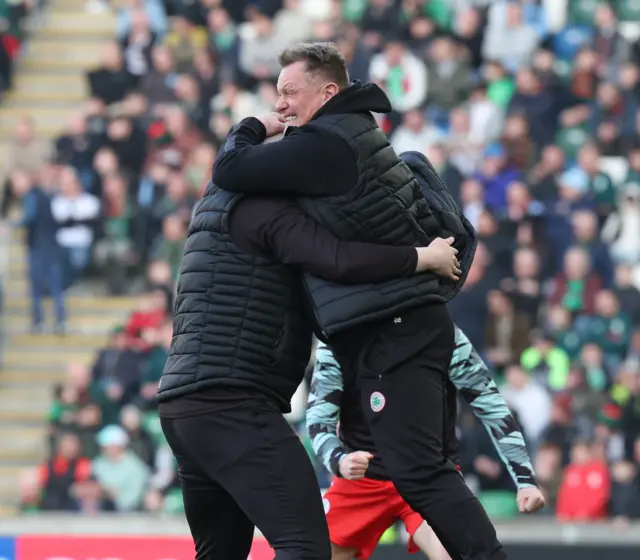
(330,90)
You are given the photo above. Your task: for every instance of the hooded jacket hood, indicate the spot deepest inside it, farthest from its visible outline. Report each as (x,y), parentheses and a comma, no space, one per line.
(357,98)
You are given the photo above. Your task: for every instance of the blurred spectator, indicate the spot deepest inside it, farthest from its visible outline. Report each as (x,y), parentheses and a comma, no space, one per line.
(117,369)
(76,214)
(401,74)
(155,11)
(46,260)
(586,487)
(495,174)
(469,308)
(599,183)
(121,474)
(611,46)
(449,77)
(114,249)
(630,420)
(620,229)
(152,312)
(485,116)
(60,473)
(576,285)
(140,441)
(137,45)
(465,152)
(585,235)
(607,327)
(76,147)
(548,363)
(159,82)
(183,41)
(415,133)
(537,104)
(548,468)
(159,341)
(524,286)
(79,406)
(530,401)
(507,330)
(628,295)
(111,81)
(170,245)
(26,152)
(543,178)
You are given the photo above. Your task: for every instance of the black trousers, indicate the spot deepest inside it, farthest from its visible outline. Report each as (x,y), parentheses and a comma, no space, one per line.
(241,467)
(402,373)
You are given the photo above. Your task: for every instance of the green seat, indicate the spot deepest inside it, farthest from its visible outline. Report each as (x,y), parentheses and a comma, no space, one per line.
(571,139)
(628,10)
(583,11)
(499,504)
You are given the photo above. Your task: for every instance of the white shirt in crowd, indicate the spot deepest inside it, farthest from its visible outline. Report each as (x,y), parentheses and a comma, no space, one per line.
(83,207)
(416,80)
(532,404)
(405,140)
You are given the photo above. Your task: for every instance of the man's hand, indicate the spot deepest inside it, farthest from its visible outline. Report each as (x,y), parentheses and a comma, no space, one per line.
(530,500)
(439,257)
(354,465)
(273,122)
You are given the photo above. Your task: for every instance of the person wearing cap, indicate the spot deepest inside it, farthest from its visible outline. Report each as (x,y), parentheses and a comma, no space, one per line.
(121,474)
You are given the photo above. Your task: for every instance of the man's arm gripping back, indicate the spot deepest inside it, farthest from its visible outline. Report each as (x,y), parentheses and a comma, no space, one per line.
(471,377)
(323,409)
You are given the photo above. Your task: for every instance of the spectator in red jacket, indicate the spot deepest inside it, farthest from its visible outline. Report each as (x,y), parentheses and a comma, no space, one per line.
(586,487)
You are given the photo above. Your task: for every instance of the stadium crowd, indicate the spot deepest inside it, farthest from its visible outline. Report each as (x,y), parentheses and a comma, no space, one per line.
(530,111)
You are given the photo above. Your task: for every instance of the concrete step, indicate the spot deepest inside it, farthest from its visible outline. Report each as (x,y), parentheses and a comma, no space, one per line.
(44,377)
(88,324)
(48,120)
(7,511)
(33,416)
(79,25)
(24,392)
(79,304)
(19,97)
(9,487)
(21,455)
(51,82)
(51,49)
(21,439)
(58,62)
(41,357)
(97,341)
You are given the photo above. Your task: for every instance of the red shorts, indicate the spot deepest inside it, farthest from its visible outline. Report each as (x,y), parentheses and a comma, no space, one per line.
(360,511)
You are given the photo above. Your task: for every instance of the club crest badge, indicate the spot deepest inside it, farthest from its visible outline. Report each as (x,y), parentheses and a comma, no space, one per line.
(377,401)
